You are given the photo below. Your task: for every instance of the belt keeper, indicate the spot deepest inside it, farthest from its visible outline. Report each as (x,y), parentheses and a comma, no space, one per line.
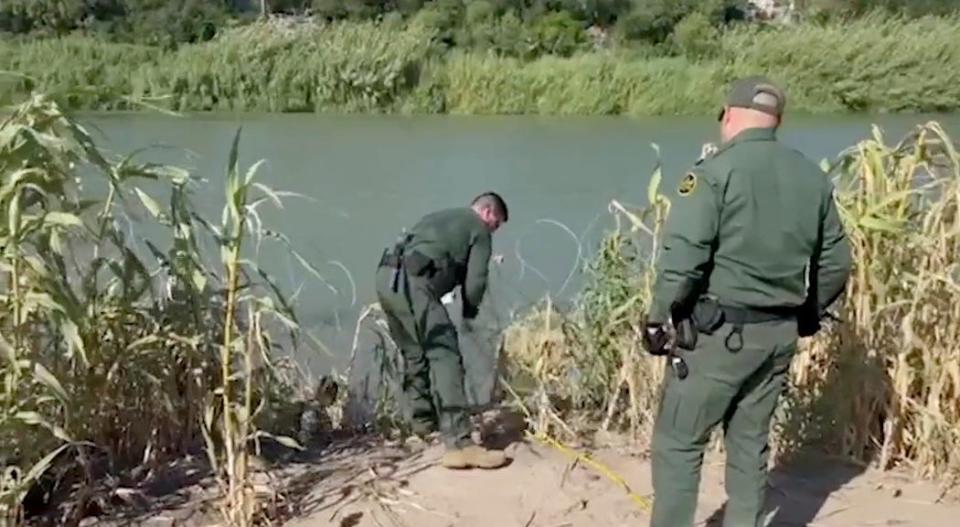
(736,332)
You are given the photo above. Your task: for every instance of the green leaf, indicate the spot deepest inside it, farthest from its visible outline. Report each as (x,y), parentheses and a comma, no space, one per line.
(199,280)
(877,224)
(55,243)
(9,353)
(43,375)
(71,334)
(233,179)
(288,442)
(13,219)
(35,419)
(252,171)
(41,466)
(888,200)
(143,341)
(62,219)
(654,186)
(149,203)
(32,300)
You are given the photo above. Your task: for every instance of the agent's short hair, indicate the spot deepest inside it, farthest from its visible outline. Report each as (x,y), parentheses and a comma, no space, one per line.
(492,199)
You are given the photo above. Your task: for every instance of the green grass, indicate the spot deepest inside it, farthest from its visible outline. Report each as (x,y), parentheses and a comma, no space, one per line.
(584,85)
(873,64)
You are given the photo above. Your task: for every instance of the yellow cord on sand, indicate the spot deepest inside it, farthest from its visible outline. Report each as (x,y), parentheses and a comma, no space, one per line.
(644,503)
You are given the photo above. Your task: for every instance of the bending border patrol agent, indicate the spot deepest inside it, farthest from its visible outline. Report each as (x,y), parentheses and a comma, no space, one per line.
(754,253)
(443,250)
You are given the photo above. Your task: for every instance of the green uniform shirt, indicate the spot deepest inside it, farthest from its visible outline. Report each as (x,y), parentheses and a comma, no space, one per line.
(459,242)
(754,224)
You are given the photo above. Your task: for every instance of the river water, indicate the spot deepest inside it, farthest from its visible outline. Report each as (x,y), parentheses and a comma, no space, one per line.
(369,176)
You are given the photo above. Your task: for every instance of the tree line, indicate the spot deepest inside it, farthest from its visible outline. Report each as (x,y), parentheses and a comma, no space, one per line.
(510,27)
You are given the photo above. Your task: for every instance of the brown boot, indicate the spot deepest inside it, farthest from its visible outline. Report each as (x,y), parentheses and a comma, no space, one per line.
(473,456)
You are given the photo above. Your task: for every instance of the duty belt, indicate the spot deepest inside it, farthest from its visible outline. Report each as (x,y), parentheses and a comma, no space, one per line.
(413,263)
(740,316)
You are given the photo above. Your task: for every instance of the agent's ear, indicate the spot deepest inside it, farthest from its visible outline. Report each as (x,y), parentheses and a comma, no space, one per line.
(489,214)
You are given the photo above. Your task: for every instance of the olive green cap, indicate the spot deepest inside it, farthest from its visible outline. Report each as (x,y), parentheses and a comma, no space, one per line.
(758,93)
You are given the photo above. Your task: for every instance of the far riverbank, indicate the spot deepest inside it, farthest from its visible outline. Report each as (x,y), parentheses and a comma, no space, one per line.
(871,65)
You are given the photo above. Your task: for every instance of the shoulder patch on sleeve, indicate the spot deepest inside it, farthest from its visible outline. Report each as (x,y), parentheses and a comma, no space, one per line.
(687,184)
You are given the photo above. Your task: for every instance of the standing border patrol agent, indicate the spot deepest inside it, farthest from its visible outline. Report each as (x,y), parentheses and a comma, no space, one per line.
(443,250)
(754,253)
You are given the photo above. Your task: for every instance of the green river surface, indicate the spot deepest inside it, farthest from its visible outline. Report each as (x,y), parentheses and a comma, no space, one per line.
(369,176)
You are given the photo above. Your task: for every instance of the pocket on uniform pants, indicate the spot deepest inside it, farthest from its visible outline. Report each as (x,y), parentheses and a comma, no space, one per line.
(683,409)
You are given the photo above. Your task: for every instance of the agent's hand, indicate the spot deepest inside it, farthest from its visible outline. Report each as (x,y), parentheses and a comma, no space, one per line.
(657,339)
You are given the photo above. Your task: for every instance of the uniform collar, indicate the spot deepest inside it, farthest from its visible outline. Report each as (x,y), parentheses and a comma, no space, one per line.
(754,134)
(746,135)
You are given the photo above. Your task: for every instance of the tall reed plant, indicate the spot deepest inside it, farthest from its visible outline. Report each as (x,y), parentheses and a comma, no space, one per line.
(117,345)
(882,386)
(587,369)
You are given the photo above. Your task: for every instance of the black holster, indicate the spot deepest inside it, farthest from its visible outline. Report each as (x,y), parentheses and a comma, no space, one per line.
(705,317)
(686,334)
(708,315)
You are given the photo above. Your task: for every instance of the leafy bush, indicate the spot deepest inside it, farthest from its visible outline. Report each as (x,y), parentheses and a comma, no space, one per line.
(557,34)
(442,17)
(51,16)
(353,9)
(651,20)
(169,23)
(602,12)
(654,21)
(165,23)
(696,37)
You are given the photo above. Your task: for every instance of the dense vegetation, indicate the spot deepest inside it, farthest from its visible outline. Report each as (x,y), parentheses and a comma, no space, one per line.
(482,56)
(467,24)
(875,63)
(119,350)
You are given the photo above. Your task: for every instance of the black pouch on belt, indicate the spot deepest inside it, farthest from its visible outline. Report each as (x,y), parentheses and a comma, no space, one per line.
(708,315)
(686,334)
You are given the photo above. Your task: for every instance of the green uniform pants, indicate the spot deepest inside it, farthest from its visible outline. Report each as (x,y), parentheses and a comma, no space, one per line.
(433,380)
(738,389)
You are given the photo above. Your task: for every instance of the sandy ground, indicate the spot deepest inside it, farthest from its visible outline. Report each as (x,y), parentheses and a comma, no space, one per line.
(542,488)
(363,482)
